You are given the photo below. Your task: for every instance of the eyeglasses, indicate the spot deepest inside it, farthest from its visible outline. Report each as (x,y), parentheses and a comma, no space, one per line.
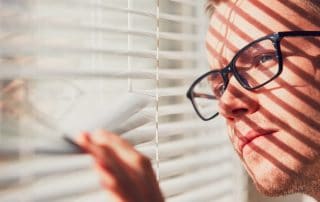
(253,66)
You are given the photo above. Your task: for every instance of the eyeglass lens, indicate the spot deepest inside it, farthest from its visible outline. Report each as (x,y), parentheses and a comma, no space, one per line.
(254,65)
(257,64)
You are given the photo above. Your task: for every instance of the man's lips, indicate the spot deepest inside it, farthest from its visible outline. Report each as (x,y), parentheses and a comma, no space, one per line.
(251,135)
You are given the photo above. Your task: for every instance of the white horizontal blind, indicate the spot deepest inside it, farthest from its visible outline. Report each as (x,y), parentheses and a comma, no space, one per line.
(62,57)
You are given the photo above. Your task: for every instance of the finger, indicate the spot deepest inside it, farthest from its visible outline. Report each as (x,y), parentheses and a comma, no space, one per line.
(100,154)
(113,172)
(118,186)
(154,193)
(104,138)
(112,159)
(83,140)
(137,166)
(113,140)
(125,151)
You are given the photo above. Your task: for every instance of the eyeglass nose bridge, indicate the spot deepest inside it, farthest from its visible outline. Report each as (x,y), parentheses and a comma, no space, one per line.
(225,75)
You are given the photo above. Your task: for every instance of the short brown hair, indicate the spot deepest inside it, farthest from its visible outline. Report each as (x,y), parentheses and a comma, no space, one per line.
(210,6)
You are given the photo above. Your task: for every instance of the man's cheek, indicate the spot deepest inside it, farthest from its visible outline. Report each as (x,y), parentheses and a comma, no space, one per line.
(297,71)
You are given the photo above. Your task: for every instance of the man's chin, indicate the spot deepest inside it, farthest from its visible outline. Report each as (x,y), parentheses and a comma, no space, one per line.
(275,183)
(274,190)
(270,180)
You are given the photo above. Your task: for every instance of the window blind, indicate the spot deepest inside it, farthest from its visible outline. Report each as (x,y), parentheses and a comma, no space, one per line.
(70,56)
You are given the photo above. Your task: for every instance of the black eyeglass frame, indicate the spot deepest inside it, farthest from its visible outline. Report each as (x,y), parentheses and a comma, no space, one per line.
(275,38)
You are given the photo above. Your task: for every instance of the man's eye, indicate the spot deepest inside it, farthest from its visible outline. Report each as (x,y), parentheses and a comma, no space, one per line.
(218,89)
(265,60)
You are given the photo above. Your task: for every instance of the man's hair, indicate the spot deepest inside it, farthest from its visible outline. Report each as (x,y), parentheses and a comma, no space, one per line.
(313,5)
(210,5)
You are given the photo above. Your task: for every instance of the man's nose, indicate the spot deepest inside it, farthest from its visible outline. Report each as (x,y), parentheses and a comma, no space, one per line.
(236,101)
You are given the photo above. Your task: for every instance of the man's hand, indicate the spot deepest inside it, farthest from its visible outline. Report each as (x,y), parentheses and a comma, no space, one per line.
(125,174)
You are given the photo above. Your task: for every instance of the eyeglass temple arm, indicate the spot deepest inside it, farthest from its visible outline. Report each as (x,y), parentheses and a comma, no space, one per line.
(203,95)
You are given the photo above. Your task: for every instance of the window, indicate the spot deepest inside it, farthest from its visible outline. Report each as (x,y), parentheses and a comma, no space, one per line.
(65,59)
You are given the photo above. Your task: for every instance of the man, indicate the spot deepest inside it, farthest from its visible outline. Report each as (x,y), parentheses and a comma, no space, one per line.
(268,92)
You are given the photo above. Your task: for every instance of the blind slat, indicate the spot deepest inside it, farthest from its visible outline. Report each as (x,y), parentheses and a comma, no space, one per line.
(11,174)
(54,50)
(143,134)
(11,71)
(194,161)
(103,7)
(97,196)
(178,147)
(63,27)
(54,188)
(59,145)
(163,16)
(57,188)
(38,168)
(186,2)
(199,178)
(216,190)
(174,109)
(165,92)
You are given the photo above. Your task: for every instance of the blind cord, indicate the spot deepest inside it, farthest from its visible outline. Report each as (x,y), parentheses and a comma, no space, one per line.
(157,89)
(129,47)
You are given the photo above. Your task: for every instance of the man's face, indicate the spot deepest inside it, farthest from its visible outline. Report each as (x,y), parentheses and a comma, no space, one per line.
(274,129)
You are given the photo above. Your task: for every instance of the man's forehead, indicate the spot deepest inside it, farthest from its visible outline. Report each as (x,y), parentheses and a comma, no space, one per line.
(236,23)
(259,17)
